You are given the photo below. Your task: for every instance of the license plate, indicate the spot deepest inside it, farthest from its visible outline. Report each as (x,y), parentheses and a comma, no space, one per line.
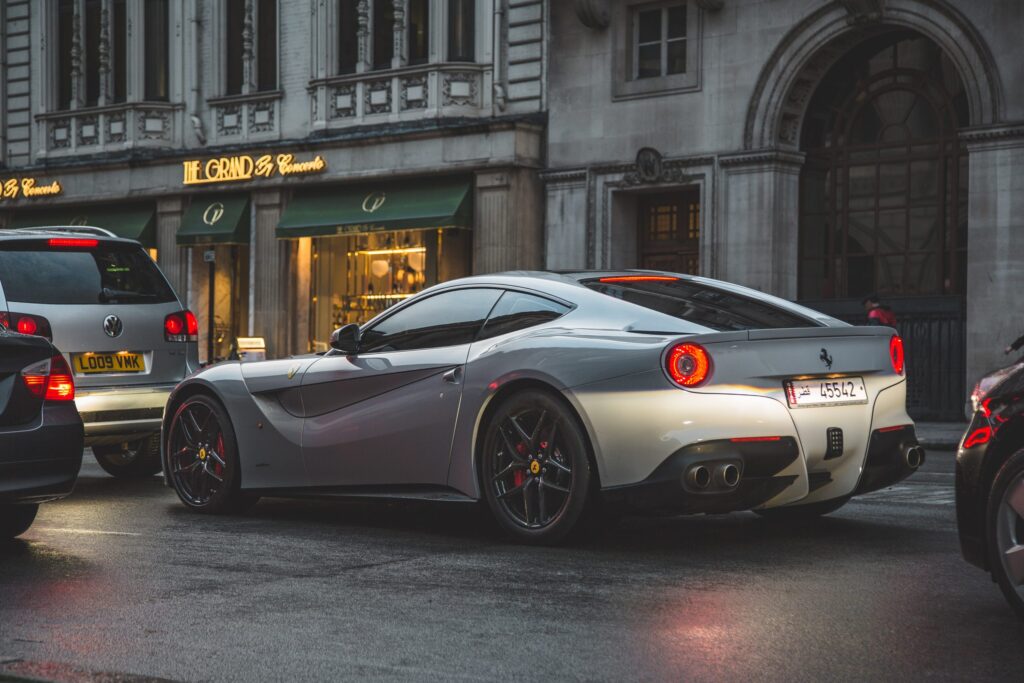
(94,363)
(838,391)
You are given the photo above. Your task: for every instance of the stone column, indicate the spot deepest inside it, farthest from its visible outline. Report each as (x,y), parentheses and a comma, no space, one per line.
(508,225)
(170,257)
(757,243)
(272,276)
(995,246)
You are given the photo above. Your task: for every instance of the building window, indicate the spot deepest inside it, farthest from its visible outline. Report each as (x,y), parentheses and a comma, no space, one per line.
(82,24)
(348,36)
(659,40)
(461,30)
(383,34)
(419,31)
(155,35)
(233,46)
(669,231)
(266,45)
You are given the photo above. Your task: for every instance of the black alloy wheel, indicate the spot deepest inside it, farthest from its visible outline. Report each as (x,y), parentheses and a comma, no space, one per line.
(135,460)
(202,458)
(16,519)
(535,469)
(1004,529)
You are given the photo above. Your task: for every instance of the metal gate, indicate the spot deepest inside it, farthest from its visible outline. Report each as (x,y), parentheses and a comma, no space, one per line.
(933,331)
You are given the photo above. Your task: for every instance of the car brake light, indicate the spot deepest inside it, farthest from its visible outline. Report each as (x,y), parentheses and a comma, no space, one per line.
(639,278)
(688,365)
(754,439)
(27,324)
(181,327)
(896,353)
(50,379)
(73,243)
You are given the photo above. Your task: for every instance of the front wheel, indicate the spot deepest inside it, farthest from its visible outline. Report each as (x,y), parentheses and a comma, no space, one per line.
(16,519)
(202,458)
(135,460)
(1004,524)
(803,513)
(535,468)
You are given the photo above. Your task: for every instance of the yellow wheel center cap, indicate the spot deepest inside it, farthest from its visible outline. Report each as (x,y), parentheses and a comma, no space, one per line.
(534,467)
(202,454)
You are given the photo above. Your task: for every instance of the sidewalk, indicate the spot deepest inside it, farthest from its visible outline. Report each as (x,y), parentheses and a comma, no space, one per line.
(940,436)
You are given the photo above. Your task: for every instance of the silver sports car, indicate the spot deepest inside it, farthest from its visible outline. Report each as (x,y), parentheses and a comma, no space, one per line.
(555,396)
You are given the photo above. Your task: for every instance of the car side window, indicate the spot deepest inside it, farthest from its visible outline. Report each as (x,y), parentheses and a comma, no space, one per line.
(517,311)
(445,319)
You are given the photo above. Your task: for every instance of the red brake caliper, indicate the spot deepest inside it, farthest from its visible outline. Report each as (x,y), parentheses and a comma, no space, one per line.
(519,475)
(220,451)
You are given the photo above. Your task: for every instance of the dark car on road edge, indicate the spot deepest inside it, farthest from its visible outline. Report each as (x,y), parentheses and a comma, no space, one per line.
(40,430)
(990,482)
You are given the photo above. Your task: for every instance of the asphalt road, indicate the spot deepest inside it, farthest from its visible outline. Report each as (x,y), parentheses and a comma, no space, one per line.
(121,578)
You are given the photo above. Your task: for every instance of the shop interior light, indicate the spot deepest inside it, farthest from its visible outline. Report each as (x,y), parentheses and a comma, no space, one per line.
(378,297)
(400,250)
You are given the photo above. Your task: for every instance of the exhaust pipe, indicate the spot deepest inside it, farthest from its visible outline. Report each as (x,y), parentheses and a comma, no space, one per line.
(698,477)
(914,456)
(727,475)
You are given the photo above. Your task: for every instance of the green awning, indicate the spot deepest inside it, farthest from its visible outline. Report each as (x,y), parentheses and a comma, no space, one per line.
(218,219)
(133,221)
(409,205)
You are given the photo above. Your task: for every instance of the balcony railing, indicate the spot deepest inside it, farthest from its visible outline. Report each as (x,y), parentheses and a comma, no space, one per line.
(413,92)
(110,128)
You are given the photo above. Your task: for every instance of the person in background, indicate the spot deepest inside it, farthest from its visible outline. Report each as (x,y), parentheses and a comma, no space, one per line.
(878,313)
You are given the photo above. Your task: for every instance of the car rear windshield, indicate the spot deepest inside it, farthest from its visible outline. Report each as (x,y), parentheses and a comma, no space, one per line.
(110,273)
(716,309)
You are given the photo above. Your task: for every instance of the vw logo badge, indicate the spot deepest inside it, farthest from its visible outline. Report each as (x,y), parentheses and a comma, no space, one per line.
(113,326)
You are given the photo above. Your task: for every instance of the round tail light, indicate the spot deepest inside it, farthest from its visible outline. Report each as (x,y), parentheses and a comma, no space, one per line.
(688,365)
(27,325)
(896,354)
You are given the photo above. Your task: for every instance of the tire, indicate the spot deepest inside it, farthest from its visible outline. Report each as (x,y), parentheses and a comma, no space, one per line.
(16,519)
(535,468)
(1004,529)
(136,460)
(803,513)
(203,460)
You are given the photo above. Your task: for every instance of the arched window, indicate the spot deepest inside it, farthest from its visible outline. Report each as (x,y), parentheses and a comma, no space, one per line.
(883,190)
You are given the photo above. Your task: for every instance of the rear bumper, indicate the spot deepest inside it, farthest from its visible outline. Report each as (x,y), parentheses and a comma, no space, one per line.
(116,414)
(760,465)
(40,461)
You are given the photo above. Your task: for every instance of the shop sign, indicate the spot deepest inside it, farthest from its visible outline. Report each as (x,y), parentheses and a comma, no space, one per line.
(247,167)
(12,188)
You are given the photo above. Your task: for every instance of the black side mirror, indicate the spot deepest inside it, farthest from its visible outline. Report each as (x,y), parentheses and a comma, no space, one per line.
(346,339)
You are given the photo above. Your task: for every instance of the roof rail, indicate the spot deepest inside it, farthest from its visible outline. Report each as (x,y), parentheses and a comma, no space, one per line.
(83,229)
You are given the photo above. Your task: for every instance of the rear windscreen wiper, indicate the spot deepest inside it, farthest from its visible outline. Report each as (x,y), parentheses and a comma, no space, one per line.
(107,295)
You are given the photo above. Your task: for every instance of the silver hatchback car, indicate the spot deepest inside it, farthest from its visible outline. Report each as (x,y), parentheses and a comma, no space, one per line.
(126,336)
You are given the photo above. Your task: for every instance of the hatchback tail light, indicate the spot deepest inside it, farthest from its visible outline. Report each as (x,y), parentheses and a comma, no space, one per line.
(688,365)
(181,327)
(896,354)
(50,379)
(24,323)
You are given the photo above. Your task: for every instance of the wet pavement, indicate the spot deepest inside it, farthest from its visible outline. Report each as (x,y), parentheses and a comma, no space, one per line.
(120,580)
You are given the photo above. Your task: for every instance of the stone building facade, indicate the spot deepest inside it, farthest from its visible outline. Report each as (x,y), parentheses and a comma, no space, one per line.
(821,150)
(329,157)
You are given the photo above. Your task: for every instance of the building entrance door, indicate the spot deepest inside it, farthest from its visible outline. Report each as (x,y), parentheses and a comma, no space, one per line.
(668,227)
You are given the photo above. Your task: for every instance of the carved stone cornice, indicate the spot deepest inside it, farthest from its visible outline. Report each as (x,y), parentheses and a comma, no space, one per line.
(710,5)
(763,157)
(989,133)
(572,175)
(593,13)
(861,11)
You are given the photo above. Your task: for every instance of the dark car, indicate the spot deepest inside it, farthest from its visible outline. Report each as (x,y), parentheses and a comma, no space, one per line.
(990,482)
(41,432)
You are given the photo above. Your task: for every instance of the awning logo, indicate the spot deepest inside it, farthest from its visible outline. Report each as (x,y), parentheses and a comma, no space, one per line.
(214,212)
(374,201)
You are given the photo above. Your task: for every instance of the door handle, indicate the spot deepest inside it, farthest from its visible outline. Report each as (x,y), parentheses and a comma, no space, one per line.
(452,376)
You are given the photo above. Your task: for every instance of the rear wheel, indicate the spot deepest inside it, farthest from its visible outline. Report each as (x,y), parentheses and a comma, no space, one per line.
(134,460)
(1004,524)
(202,458)
(16,519)
(535,469)
(796,513)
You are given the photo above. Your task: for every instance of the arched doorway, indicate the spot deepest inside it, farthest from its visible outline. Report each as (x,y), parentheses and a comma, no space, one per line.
(883,203)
